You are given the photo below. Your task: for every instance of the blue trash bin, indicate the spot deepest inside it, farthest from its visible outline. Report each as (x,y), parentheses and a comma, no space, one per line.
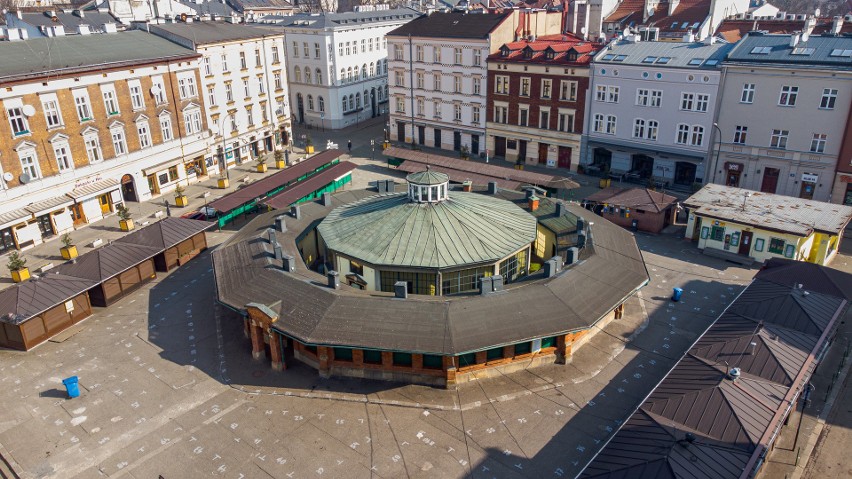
(71,386)
(676,294)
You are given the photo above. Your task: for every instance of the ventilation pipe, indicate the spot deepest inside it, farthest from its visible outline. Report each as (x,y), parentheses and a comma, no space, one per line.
(296,212)
(573,255)
(400,289)
(326,199)
(497,283)
(485,285)
(288,262)
(281,223)
(333,279)
(492,187)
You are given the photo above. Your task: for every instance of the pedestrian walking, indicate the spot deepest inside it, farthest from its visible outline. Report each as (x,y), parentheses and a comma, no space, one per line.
(287,156)
(349,144)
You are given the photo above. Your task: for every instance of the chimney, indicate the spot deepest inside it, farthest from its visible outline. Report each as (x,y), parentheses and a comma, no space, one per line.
(326,199)
(110,28)
(689,37)
(485,285)
(84,30)
(467,185)
(581,239)
(492,187)
(288,262)
(278,253)
(497,283)
(80,13)
(560,209)
(382,186)
(794,39)
(710,40)
(19,14)
(836,25)
(390,186)
(296,212)
(551,267)
(281,223)
(58,31)
(810,23)
(400,289)
(533,202)
(333,279)
(581,223)
(270,235)
(573,255)
(50,13)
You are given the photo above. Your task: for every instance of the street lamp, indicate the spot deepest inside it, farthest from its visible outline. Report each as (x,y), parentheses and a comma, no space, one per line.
(224,162)
(322,121)
(746,196)
(372,149)
(718,147)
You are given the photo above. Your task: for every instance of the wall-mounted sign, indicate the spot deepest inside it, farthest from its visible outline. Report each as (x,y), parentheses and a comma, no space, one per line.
(734,166)
(807,177)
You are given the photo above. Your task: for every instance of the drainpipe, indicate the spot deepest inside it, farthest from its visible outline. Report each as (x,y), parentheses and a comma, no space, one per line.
(411,83)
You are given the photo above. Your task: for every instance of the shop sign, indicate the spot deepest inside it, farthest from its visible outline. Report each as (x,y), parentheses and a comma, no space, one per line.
(845,179)
(734,166)
(87,181)
(809,178)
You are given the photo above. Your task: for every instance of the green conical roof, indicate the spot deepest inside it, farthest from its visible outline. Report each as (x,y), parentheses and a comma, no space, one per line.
(427,177)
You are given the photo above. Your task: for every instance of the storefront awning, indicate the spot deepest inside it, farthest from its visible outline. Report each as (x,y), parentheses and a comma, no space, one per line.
(93,189)
(162,166)
(51,204)
(11,218)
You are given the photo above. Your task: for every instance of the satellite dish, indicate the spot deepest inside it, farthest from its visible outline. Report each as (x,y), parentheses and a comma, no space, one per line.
(279,111)
(155,90)
(29,110)
(24,178)
(650,10)
(583,30)
(817,12)
(8,176)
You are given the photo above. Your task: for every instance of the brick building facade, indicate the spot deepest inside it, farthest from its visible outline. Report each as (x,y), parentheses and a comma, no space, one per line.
(536,100)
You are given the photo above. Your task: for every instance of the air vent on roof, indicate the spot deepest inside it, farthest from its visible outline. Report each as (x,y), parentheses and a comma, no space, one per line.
(734,374)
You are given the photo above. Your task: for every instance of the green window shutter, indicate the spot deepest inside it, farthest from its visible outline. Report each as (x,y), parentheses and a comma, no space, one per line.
(374,357)
(548,342)
(342,354)
(433,361)
(401,359)
(523,348)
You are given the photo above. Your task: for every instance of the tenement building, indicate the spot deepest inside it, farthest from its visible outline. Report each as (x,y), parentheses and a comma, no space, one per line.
(784,107)
(536,101)
(437,73)
(337,64)
(90,122)
(432,284)
(243,87)
(651,111)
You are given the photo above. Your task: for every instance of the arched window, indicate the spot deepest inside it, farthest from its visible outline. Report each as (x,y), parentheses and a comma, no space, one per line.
(308,75)
(342,75)
(319,76)
(357,101)
(297,74)
(321,104)
(349,74)
(366,98)
(311,102)
(372,69)
(344,104)
(386,92)
(364,72)
(351,102)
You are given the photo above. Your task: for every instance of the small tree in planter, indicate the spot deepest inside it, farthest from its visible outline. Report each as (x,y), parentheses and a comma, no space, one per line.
(180,198)
(309,145)
(68,250)
(261,163)
(464,152)
(125,222)
(280,161)
(18,267)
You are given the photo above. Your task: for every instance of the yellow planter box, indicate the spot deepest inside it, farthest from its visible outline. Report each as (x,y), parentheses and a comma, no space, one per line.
(309,149)
(182,201)
(68,252)
(224,183)
(280,164)
(21,275)
(605,182)
(126,225)
(261,168)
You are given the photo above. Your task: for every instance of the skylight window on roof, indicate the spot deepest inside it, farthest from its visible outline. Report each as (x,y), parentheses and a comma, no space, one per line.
(761,50)
(839,52)
(696,61)
(608,57)
(711,63)
(620,58)
(674,25)
(695,25)
(802,51)
(649,59)
(663,60)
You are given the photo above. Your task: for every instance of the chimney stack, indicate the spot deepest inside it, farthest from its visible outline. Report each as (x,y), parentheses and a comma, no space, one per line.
(485,285)
(497,283)
(270,235)
(390,186)
(794,39)
(581,239)
(382,186)
(533,202)
(333,280)
(573,255)
(492,187)
(296,211)
(326,199)
(281,223)
(560,209)
(836,25)
(278,253)
(551,267)
(581,223)
(400,289)
(288,263)
(467,185)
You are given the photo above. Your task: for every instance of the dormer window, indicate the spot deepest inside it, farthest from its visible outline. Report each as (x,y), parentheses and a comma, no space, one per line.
(427,187)
(572,55)
(505,52)
(528,53)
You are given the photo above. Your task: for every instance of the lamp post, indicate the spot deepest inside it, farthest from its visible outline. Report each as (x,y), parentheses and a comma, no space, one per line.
(322,121)
(224,163)
(746,196)
(718,148)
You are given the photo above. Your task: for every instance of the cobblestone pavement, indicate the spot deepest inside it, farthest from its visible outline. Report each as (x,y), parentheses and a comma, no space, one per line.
(169,388)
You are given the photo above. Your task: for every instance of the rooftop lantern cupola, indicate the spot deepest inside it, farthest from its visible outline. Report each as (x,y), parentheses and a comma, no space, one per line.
(428,186)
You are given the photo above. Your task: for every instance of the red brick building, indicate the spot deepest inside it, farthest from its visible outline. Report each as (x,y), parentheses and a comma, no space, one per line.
(651,210)
(842,190)
(536,98)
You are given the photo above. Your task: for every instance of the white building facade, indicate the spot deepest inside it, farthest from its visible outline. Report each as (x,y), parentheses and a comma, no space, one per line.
(650,111)
(337,64)
(243,87)
(785,105)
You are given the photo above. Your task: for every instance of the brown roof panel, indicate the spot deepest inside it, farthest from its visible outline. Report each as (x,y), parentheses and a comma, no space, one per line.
(25,300)
(105,262)
(812,277)
(642,198)
(166,233)
(298,191)
(451,25)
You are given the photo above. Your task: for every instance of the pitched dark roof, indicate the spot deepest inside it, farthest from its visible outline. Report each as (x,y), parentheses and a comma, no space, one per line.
(304,188)
(166,233)
(205,33)
(25,300)
(642,198)
(812,277)
(451,25)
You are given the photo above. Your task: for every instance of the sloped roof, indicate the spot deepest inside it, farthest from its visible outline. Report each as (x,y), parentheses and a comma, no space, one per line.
(451,25)
(676,54)
(25,300)
(165,233)
(781,53)
(205,33)
(559,45)
(341,20)
(812,277)
(733,30)
(105,262)
(315,182)
(68,20)
(642,198)
(427,177)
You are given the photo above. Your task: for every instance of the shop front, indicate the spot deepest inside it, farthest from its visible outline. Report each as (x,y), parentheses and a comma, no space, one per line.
(94,200)
(164,177)
(8,222)
(733,171)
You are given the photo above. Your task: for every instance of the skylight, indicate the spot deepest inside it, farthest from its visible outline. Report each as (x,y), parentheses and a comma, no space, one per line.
(608,57)
(710,63)
(839,52)
(696,61)
(674,25)
(695,25)
(664,60)
(802,51)
(620,58)
(761,50)
(649,59)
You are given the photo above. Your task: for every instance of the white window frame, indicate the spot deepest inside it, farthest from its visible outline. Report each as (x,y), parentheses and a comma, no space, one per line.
(52,112)
(62,155)
(143,130)
(598,123)
(682,134)
(740,134)
(18,122)
(160,97)
(546,88)
(137,100)
(829,99)
(28,157)
(778,139)
(93,147)
(639,125)
(696,138)
(501,85)
(611,124)
(818,143)
(788,95)
(747,94)
(652,130)
(119,140)
(192,120)
(110,100)
(82,105)
(568,90)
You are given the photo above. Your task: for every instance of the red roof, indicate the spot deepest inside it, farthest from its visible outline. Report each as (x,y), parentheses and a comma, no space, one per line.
(560,45)
(687,12)
(641,198)
(735,30)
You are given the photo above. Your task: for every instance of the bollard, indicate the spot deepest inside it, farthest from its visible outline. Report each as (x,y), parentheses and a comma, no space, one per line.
(71,386)
(676,294)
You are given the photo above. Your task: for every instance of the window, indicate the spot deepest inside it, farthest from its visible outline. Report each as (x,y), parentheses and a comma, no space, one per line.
(277,80)
(246,88)
(321,103)
(656,98)
(523,116)
(740,134)
(606,93)
(566,122)
(305,50)
(476,117)
(638,128)
(682,134)
(29,162)
(400,105)
(136,99)
(697,135)
(436,54)
(52,115)
(568,90)
(397,52)
(829,97)
(119,143)
(339,49)
(600,93)
(18,121)
(840,52)
(501,84)
(173,173)
(144,134)
(779,139)
(436,109)
(316,50)
(363,46)
(653,128)
(310,103)
(776,245)
(399,79)
(93,147)
(702,102)
(81,101)
(457,84)
(224,63)
(525,87)
(717,233)
(420,107)
(457,112)
(192,121)
(747,95)
(457,57)
(234,125)
(501,114)
(818,143)
(307,75)
(229,92)
(598,124)
(211,96)
(110,102)
(788,95)
(275,58)
(761,50)
(297,74)
(62,152)
(243,60)
(250,116)
(370,44)
(296,49)
(207,70)
(159,90)
(186,87)
(318,77)
(166,127)
(419,51)
(477,86)
(610,124)
(477,57)
(546,88)
(643,97)
(687,101)
(372,69)
(544,119)
(420,77)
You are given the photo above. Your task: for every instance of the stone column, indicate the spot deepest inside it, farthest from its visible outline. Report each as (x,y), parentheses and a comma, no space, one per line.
(246,325)
(324,359)
(481,357)
(256,341)
(275,351)
(563,350)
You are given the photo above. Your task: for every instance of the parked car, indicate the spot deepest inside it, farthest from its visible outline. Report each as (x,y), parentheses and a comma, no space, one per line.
(204,213)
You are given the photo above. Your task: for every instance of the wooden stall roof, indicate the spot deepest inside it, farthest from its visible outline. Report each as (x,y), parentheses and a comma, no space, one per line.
(457,176)
(483,169)
(262,187)
(31,298)
(316,182)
